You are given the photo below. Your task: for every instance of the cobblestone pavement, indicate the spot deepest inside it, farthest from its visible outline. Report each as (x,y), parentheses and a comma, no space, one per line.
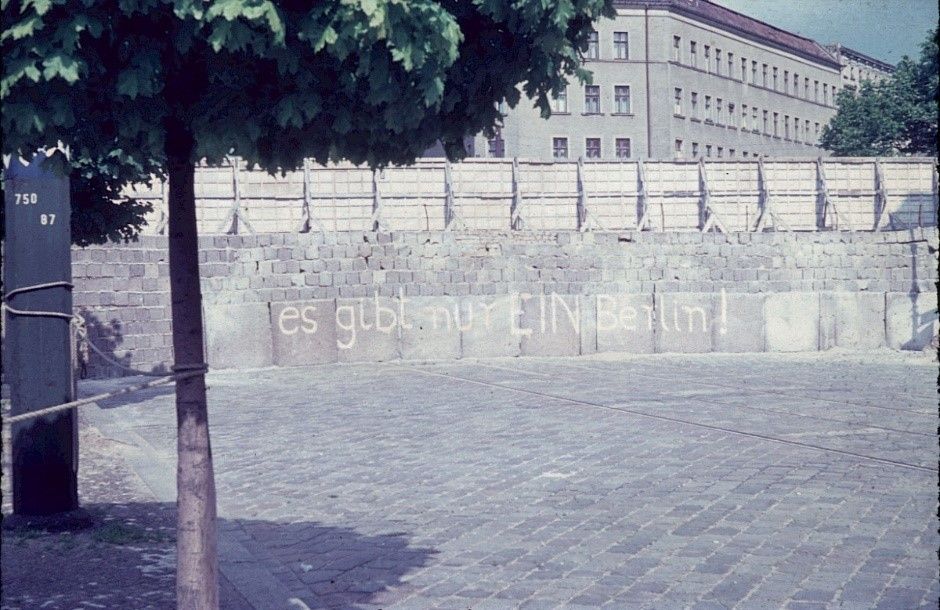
(713,481)
(126,559)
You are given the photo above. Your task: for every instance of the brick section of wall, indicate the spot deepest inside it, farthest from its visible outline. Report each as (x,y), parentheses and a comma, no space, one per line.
(123,290)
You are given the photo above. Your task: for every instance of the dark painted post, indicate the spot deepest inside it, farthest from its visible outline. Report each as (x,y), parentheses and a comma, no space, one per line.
(38,239)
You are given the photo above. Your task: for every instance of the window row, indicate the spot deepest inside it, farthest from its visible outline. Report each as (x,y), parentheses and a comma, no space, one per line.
(721,112)
(621,46)
(754,73)
(593,102)
(697,151)
(593,148)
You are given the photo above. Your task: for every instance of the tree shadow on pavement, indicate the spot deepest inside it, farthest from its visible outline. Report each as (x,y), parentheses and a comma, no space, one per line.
(127,560)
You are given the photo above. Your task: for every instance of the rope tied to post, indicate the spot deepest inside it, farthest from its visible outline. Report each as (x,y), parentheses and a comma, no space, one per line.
(77,323)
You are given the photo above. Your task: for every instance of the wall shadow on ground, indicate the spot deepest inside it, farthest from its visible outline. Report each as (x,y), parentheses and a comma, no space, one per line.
(127,560)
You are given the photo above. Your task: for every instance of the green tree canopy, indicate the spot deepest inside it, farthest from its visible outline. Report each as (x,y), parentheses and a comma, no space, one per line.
(896,116)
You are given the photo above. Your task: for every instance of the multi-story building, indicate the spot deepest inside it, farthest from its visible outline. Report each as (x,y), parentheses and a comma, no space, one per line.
(858,67)
(682,79)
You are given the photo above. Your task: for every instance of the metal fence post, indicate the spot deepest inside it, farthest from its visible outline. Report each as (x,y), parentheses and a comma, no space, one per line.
(642,198)
(881,197)
(235,213)
(767,217)
(708,220)
(515,210)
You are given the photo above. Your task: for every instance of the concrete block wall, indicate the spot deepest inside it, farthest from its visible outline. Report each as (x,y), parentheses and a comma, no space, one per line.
(288,299)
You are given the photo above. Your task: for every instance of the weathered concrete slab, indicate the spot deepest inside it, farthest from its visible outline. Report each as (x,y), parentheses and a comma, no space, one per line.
(588,330)
(304,332)
(739,325)
(792,320)
(238,336)
(910,319)
(367,329)
(851,320)
(624,323)
(683,321)
(432,329)
(550,324)
(486,327)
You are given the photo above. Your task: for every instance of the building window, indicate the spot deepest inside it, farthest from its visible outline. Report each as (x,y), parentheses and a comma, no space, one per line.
(731,152)
(708,150)
(708,58)
(826,94)
(676,49)
(730,65)
(743,69)
(731,115)
(806,130)
(817,132)
(594,49)
(720,110)
(622,148)
(677,107)
(621,46)
(764,70)
(496,147)
(622,99)
(754,119)
(592,148)
(775,78)
(816,90)
(776,124)
(744,153)
(786,126)
(693,54)
(708,109)
(592,99)
(694,150)
(796,84)
(560,148)
(744,116)
(766,130)
(717,61)
(806,88)
(786,81)
(695,105)
(796,129)
(678,149)
(754,72)
(721,152)
(560,102)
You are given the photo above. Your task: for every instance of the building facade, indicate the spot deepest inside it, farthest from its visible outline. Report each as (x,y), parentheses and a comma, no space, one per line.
(858,67)
(682,79)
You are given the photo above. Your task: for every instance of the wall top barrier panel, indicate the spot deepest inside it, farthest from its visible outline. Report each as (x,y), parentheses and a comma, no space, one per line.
(845,194)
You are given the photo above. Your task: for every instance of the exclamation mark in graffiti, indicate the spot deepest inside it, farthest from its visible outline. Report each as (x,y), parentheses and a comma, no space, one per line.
(723,329)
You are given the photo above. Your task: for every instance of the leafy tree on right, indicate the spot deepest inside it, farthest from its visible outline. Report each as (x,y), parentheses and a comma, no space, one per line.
(897,116)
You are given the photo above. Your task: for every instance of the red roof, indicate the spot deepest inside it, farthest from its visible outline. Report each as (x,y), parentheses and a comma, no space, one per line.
(742,24)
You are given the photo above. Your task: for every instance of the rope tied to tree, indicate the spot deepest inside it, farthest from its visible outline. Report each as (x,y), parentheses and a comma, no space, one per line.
(80,327)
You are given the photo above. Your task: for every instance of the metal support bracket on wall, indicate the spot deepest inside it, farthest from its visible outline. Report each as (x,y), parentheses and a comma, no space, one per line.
(515,210)
(307,221)
(378,222)
(586,220)
(708,220)
(164,208)
(881,198)
(235,213)
(768,217)
(451,220)
(829,209)
(642,198)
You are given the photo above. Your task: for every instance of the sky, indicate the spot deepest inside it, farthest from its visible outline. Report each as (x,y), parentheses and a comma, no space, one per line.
(884,29)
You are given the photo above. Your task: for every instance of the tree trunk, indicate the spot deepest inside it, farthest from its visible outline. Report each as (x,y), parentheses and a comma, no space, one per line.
(196,550)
